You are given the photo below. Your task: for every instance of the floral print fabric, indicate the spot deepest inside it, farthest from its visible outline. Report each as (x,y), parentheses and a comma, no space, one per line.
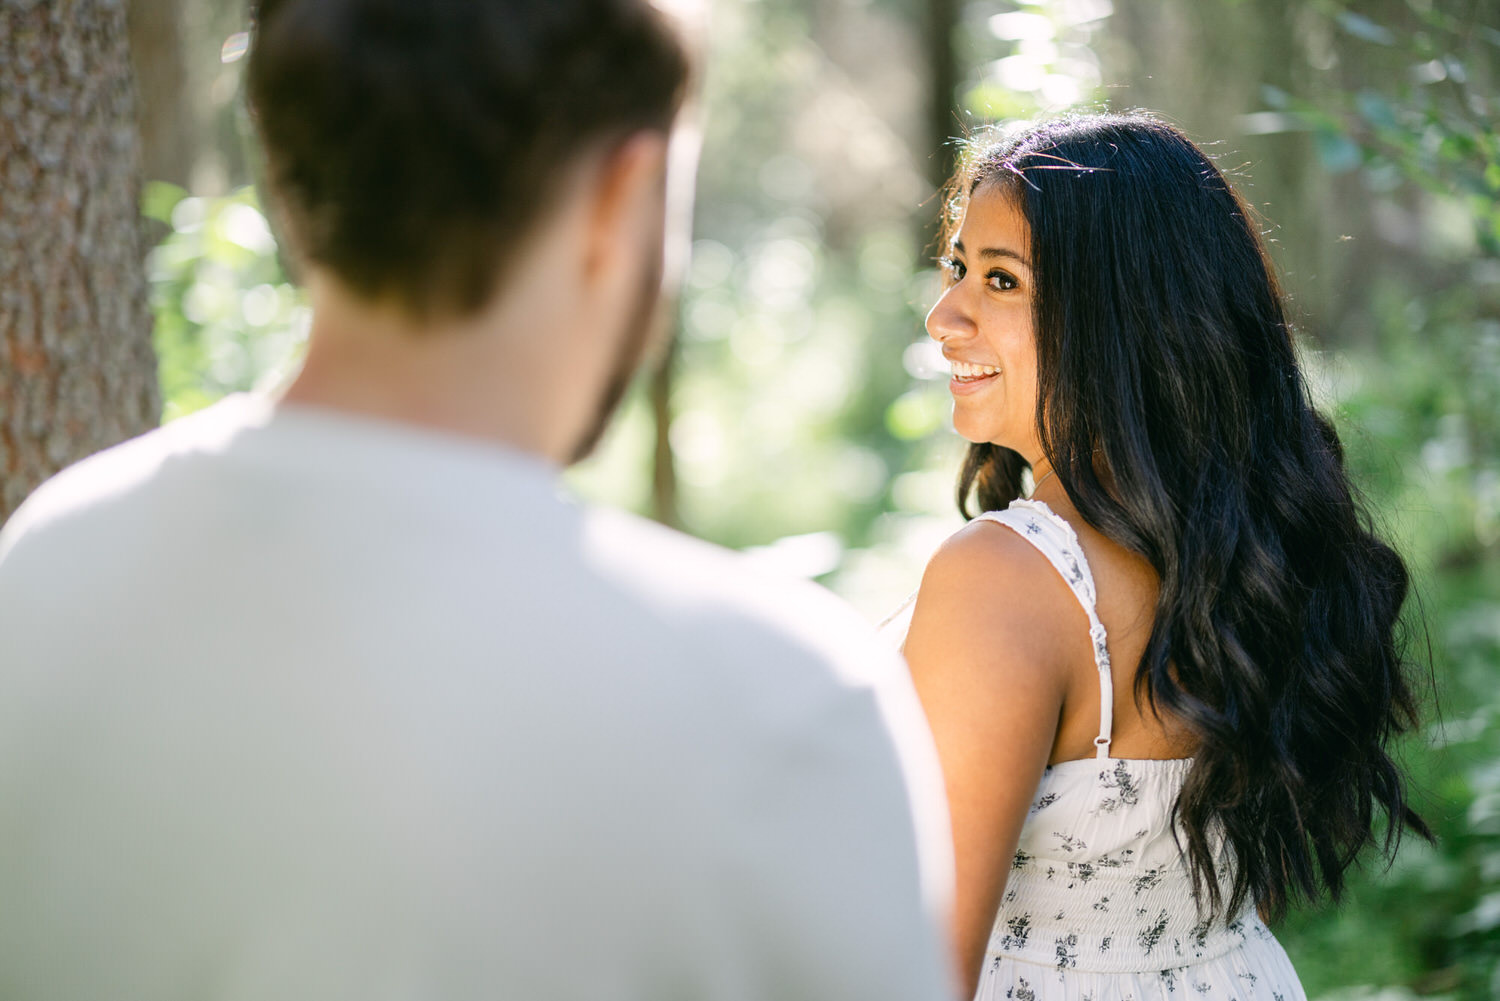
(1099,905)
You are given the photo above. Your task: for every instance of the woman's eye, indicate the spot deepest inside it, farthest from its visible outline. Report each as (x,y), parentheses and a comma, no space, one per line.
(953,269)
(1001,281)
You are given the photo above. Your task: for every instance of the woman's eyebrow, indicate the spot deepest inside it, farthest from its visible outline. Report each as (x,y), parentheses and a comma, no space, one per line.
(993,252)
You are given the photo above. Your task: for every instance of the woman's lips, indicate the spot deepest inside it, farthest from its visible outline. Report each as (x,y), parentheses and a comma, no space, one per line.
(963,386)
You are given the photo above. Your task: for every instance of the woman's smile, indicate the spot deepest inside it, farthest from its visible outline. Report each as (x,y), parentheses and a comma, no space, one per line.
(970,378)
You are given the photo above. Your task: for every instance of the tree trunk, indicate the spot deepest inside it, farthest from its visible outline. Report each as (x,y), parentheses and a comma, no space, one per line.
(687,143)
(169,136)
(942,111)
(77,372)
(663,467)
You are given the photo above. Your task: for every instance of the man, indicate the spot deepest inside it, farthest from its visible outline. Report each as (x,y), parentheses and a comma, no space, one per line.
(335,697)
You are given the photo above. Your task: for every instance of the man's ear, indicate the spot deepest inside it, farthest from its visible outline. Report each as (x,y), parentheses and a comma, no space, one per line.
(629,202)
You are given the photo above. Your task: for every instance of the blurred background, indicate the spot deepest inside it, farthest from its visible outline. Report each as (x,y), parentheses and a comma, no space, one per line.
(799,413)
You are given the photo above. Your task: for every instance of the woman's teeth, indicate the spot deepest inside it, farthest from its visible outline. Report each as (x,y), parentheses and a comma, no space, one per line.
(963,370)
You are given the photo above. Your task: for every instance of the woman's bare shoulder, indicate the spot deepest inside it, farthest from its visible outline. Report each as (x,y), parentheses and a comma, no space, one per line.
(988,589)
(990,559)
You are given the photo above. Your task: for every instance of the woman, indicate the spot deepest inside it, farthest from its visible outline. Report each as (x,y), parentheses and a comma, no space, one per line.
(1162,687)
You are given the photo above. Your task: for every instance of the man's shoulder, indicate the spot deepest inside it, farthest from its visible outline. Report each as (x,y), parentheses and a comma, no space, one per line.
(819,699)
(96,486)
(718,597)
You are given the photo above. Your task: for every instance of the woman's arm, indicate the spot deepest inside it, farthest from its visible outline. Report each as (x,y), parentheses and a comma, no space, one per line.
(984,647)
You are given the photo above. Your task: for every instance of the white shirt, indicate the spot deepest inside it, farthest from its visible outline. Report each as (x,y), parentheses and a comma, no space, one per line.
(296,705)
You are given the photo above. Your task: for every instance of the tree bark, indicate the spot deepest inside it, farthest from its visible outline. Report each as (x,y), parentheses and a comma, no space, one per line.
(942,60)
(663,467)
(169,136)
(77,372)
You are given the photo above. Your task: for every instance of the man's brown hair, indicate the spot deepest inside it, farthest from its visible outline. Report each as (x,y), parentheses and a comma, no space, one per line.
(412,144)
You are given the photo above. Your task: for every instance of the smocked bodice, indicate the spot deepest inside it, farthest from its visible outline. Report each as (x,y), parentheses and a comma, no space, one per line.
(1098,882)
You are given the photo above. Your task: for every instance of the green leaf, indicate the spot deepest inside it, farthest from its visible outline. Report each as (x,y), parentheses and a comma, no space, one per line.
(159,198)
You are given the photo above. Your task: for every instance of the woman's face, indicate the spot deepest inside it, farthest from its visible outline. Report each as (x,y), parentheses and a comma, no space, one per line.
(983,322)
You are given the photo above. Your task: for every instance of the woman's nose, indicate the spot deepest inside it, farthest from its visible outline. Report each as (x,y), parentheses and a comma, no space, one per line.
(947,318)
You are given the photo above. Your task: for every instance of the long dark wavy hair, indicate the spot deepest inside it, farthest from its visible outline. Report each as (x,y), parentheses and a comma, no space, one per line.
(1172,408)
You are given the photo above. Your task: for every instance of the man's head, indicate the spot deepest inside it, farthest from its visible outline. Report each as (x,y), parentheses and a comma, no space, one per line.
(422,153)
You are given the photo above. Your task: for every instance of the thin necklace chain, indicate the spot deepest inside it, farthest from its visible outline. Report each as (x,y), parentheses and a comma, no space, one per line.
(1037,485)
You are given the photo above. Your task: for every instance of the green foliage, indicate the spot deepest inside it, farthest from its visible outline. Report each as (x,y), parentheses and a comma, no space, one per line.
(1037,59)
(1427,120)
(227,318)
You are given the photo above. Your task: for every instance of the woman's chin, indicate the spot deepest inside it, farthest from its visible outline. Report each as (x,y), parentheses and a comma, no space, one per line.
(977,434)
(972,431)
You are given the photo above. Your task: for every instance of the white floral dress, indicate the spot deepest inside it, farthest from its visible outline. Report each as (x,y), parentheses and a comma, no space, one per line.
(1099,903)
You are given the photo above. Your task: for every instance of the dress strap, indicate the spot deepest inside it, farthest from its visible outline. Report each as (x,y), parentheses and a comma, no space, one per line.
(1039,525)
